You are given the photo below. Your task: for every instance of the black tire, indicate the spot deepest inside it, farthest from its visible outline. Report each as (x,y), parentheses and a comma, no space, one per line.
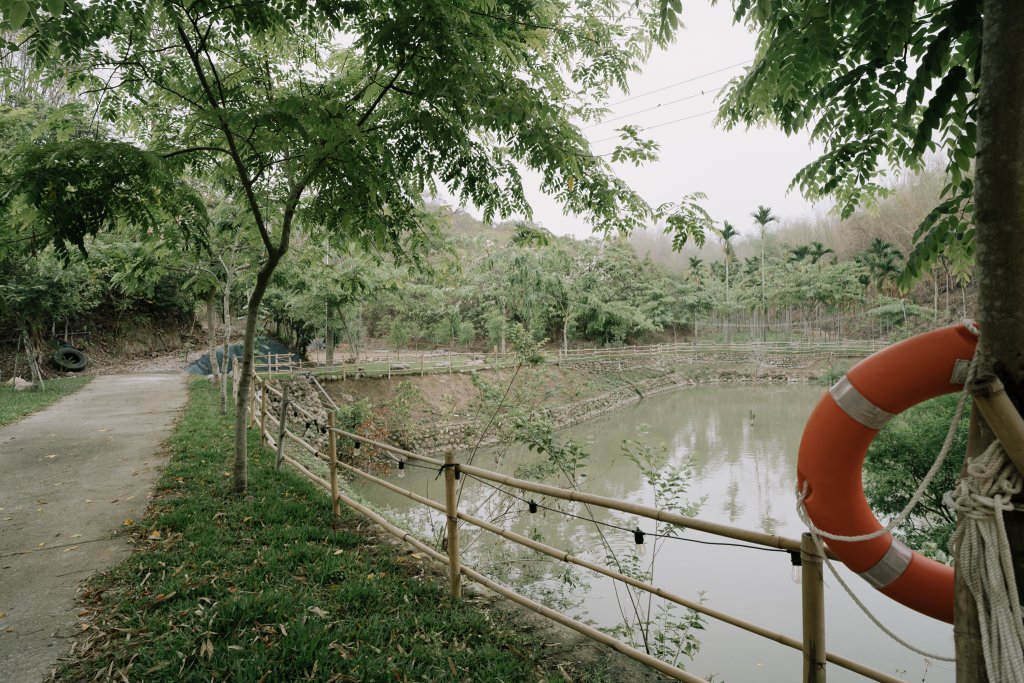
(70,359)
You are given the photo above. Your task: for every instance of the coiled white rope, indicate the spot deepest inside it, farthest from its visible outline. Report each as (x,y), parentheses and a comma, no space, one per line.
(984,560)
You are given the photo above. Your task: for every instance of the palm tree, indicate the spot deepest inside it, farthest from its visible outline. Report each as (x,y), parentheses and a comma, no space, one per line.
(819,251)
(763,216)
(696,269)
(798,254)
(727,233)
(884,262)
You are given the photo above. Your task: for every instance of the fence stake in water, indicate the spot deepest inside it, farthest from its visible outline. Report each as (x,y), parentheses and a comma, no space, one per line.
(452,511)
(282,425)
(332,448)
(813,589)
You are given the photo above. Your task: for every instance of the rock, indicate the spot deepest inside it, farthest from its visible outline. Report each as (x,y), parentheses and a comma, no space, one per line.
(18,383)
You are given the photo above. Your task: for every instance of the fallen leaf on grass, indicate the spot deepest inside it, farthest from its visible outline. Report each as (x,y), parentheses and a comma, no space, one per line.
(164,598)
(128,522)
(154,535)
(319,612)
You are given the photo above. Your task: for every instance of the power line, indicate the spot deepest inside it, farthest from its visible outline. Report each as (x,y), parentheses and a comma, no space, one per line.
(673,85)
(657,125)
(657,106)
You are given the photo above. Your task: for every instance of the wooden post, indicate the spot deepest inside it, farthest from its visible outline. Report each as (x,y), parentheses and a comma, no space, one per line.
(332,447)
(813,587)
(452,511)
(264,400)
(999,412)
(252,400)
(282,424)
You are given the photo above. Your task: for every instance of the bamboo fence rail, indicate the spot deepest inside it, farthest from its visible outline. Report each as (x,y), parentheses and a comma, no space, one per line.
(426,362)
(812,644)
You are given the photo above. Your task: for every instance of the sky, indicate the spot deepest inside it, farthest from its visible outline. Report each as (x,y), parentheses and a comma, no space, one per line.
(738,169)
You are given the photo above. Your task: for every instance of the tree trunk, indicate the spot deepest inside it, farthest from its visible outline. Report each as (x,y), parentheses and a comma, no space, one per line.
(32,356)
(241,468)
(565,334)
(211,334)
(329,342)
(227,341)
(999,217)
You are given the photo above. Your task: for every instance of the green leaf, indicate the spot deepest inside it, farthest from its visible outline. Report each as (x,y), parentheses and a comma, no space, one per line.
(18,15)
(56,7)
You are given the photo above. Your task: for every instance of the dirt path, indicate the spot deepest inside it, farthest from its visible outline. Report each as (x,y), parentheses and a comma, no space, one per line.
(70,477)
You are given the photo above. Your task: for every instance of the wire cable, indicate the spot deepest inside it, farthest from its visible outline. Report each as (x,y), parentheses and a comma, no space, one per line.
(678,83)
(535,504)
(657,106)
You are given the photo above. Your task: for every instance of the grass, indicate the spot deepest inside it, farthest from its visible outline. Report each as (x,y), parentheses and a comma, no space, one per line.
(264,587)
(16,404)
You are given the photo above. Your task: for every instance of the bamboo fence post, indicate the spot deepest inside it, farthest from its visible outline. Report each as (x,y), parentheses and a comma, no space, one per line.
(1001,415)
(263,411)
(452,511)
(813,602)
(252,400)
(282,425)
(332,449)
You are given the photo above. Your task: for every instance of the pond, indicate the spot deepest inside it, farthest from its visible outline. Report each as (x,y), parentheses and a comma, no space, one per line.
(740,444)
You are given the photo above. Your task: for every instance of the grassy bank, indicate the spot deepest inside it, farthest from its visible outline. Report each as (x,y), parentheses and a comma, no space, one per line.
(16,404)
(265,588)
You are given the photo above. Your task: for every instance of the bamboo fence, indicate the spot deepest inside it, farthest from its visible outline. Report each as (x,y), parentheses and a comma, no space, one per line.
(382,363)
(803,550)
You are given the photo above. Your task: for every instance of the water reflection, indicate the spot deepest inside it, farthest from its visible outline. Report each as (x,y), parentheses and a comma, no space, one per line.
(741,444)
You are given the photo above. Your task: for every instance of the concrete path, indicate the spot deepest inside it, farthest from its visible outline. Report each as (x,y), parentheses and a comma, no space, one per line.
(69,478)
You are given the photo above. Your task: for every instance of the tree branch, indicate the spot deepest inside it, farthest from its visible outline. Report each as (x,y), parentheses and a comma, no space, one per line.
(236,156)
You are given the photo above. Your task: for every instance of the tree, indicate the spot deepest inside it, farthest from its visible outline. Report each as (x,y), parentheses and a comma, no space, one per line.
(696,273)
(858,78)
(347,138)
(819,251)
(763,216)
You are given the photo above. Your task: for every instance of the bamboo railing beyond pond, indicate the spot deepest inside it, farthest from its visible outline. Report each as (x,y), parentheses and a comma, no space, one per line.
(381,364)
(803,551)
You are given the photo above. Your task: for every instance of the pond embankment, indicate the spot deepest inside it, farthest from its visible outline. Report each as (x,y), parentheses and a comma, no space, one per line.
(437,413)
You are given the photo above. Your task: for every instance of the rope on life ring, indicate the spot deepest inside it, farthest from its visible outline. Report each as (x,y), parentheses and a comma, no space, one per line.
(831,458)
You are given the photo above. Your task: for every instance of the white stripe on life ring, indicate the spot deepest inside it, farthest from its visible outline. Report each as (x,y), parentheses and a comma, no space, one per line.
(857,406)
(890,567)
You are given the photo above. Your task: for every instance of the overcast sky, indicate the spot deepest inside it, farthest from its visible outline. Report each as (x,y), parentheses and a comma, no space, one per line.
(738,170)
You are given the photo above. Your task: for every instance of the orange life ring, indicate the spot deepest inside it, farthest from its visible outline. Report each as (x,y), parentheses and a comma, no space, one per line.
(834,444)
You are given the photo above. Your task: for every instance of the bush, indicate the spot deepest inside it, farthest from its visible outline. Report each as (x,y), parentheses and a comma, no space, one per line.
(898,460)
